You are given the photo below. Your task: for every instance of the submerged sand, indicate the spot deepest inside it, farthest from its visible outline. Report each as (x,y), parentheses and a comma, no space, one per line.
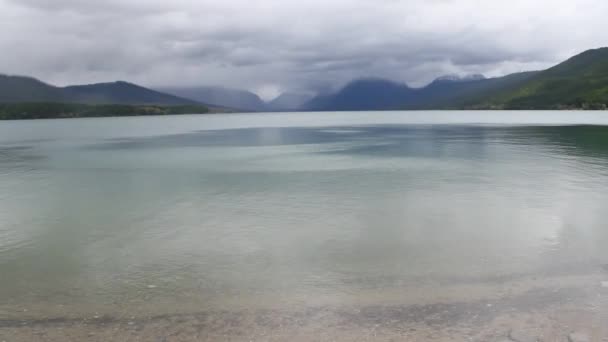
(560,308)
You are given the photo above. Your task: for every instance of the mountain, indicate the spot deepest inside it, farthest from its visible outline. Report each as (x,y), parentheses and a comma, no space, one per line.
(288,102)
(364,94)
(579,82)
(27,89)
(465,92)
(19,89)
(219,96)
(447,92)
(121,93)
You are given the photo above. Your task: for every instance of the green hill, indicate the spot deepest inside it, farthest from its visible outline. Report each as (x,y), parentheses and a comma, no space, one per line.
(27,89)
(579,82)
(464,94)
(121,93)
(28,98)
(20,89)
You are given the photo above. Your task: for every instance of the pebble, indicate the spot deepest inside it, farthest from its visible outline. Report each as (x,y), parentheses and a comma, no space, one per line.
(578,337)
(521,336)
(151,286)
(605,284)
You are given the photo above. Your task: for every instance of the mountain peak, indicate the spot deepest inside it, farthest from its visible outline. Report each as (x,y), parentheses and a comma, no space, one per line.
(364,94)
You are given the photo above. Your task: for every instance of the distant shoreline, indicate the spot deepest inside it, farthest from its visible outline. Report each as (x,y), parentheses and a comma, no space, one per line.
(52,110)
(56,110)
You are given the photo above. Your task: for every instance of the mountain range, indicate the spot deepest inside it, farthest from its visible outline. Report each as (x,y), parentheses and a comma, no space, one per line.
(21,89)
(443,93)
(579,82)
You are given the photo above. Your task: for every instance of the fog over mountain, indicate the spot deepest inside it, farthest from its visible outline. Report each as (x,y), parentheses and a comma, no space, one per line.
(220,96)
(275,46)
(289,101)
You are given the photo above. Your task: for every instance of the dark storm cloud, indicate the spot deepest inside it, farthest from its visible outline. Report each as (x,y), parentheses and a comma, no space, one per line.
(272,45)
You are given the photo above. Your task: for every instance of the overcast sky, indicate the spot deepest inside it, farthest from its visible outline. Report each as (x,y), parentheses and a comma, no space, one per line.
(269,46)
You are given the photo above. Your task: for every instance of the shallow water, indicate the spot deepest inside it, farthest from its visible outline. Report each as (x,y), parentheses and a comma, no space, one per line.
(156,215)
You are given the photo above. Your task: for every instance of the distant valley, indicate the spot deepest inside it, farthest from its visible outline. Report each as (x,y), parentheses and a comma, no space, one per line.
(239,99)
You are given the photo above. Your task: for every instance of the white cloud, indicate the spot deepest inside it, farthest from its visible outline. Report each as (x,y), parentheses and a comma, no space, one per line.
(267,45)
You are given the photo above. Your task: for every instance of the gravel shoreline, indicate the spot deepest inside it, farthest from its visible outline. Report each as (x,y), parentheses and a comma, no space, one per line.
(576,313)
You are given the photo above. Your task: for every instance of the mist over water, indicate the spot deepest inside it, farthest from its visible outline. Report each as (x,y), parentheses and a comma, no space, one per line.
(125,212)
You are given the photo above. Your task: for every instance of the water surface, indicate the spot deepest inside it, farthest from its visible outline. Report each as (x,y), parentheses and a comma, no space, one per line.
(163,214)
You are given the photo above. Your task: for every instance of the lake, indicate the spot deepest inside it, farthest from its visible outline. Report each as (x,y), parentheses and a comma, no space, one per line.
(281,223)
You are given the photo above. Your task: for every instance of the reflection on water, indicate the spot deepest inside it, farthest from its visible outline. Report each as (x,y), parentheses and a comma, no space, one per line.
(301,211)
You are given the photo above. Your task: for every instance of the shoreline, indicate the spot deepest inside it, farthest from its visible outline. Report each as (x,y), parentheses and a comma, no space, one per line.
(550,310)
(216,111)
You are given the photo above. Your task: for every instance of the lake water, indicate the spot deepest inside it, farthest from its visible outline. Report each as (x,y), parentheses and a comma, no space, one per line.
(159,215)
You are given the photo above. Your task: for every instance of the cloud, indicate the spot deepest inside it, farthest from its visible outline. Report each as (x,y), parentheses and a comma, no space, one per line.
(289,44)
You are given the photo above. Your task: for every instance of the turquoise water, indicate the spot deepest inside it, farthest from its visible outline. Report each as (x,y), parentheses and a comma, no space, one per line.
(104,214)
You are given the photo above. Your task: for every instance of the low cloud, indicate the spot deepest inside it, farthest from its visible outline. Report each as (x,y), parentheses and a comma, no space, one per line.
(280,45)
